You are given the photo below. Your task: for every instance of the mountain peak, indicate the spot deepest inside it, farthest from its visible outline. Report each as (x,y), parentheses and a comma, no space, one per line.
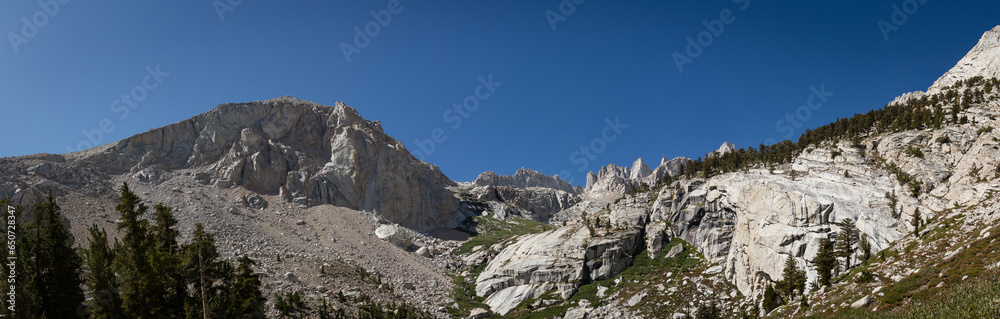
(983,60)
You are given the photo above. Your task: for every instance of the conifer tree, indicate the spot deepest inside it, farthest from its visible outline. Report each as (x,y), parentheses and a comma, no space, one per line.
(916,223)
(247,296)
(138,283)
(204,272)
(771,299)
(167,272)
(99,257)
(826,261)
(847,241)
(51,266)
(793,279)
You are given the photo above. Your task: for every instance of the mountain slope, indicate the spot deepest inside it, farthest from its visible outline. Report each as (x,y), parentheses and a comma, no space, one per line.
(304,152)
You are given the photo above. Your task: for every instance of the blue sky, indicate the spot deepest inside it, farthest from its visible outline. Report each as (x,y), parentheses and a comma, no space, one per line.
(554,91)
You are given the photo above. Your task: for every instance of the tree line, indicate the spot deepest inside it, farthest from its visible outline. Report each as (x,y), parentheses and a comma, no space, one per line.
(146,273)
(927,111)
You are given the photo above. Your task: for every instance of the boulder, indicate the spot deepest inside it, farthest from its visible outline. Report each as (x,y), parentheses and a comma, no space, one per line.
(394,234)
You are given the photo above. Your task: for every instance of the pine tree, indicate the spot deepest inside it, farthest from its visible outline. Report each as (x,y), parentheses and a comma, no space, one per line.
(916,223)
(771,299)
(847,241)
(205,273)
(866,247)
(169,285)
(51,266)
(826,261)
(138,282)
(100,277)
(247,296)
(793,279)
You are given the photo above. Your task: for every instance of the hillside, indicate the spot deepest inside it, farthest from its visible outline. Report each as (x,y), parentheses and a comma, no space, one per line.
(889,213)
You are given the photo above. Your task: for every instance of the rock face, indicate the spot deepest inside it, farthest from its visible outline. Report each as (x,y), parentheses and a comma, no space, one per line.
(308,153)
(524,178)
(560,259)
(539,202)
(983,60)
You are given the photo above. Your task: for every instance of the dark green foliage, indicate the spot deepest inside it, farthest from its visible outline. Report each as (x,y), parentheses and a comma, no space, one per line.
(847,241)
(709,310)
(100,277)
(50,266)
(914,151)
(925,112)
(138,283)
(247,299)
(288,302)
(826,261)
(865,277)
(866,248)
(771,299)
(916,222)
(793,279)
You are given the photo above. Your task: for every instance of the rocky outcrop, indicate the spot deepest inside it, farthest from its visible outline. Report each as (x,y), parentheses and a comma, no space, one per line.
(983,60)
(539,203)
(560,260)
(639,170)
(524,178)
(308,153)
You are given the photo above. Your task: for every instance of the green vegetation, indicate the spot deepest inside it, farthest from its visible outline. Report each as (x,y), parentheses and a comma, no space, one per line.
(47,282)
(826,261)
(847,241)
(914,151)
(925,112)
(145,274)
(487,231)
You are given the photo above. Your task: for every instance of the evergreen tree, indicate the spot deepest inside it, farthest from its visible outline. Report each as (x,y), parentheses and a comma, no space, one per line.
(847,241)
(247,296)
(771,299)
(205,273)
(916,223)
(709,311)
(793,279)
(168,284)
(100,277)
(51,267)
(826,261)
(139,284)
(866,247)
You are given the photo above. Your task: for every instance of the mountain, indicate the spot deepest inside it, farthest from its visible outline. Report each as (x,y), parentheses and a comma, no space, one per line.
(982,61)
(523,178)
(329,204)
(641,248)
(306,153)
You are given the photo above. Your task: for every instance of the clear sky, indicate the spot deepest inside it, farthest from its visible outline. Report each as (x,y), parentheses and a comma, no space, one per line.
(561,71)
